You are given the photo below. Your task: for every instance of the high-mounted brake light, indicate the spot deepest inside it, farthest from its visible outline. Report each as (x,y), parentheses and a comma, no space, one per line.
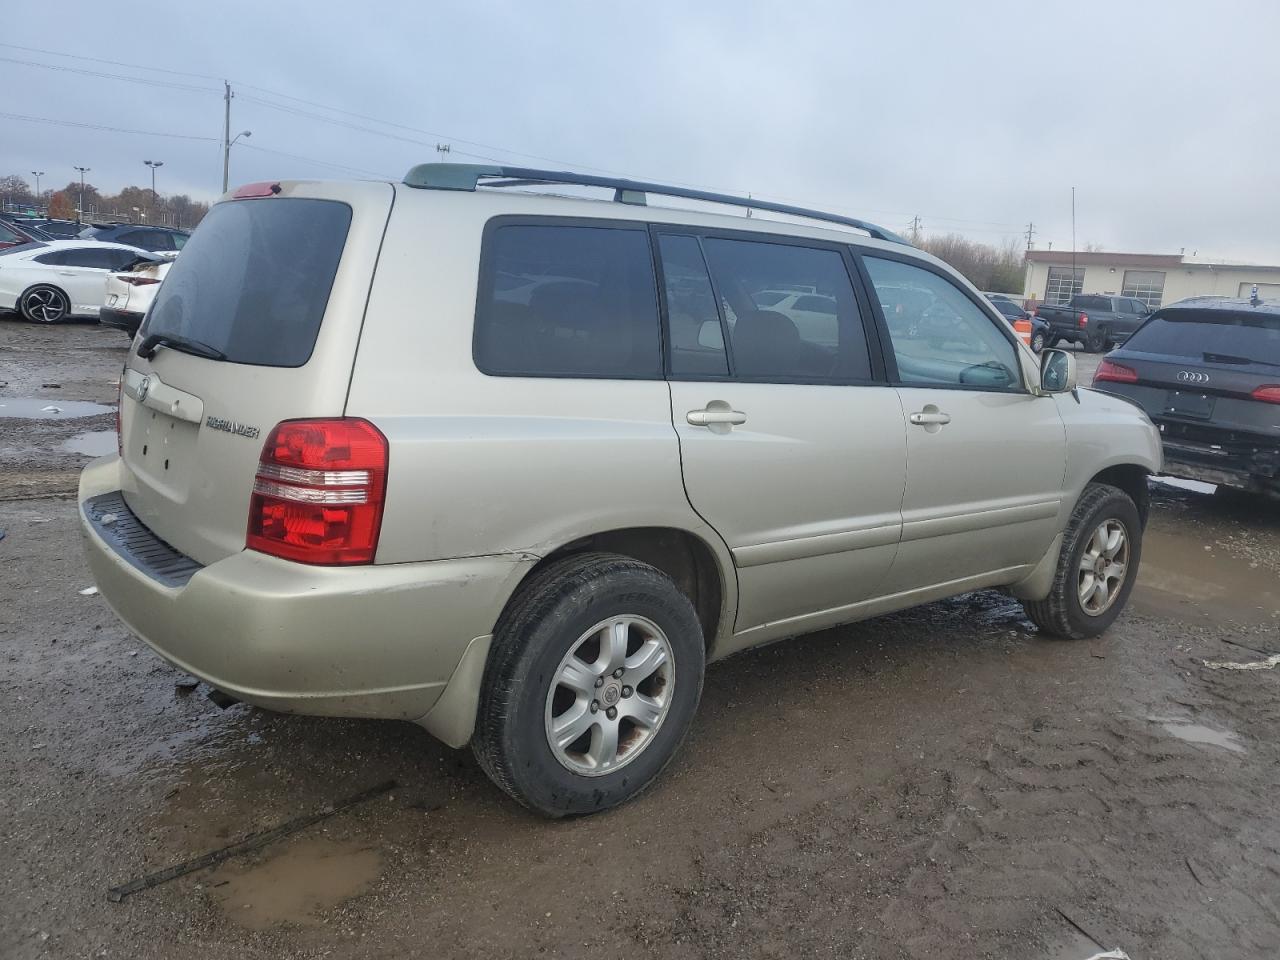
(319,490)
(1110,371)
(1270,393)
(1083,320)
(251,190)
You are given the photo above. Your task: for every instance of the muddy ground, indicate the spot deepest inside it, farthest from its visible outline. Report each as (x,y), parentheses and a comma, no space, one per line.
(938,783)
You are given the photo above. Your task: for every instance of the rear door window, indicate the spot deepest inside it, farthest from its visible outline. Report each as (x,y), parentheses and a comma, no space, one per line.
(565,301)
(1191,334)
(254,280)
(93,258)
(815,337)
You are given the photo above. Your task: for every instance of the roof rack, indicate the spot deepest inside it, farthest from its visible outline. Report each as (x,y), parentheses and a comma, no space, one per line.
(467,176)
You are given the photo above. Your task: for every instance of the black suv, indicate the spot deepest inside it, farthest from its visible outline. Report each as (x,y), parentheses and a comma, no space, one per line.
(137,235)
(1207,371)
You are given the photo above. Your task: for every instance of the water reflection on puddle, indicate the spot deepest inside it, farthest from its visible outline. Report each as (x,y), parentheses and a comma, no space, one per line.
(97,443)
(1198,733)
(42,408)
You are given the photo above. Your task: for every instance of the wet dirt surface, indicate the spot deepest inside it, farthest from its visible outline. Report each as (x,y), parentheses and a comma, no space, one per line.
(938,783)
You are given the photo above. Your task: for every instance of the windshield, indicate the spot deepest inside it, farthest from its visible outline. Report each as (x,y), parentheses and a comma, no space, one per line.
(1193,333)
(253,280)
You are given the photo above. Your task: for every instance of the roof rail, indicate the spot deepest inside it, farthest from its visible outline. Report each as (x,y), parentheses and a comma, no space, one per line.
(467,176)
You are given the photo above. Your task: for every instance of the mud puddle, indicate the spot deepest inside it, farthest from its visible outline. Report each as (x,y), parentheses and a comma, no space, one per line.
(43,408)
(1193,732)
(1183,575)
(310,876)
(95,443)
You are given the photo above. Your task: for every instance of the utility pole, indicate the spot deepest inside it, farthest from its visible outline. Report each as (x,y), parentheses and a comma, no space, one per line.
(1031,232)
(37,174)
(80,205)
(915,229)
(1073,244)
(226,136)
(443,149)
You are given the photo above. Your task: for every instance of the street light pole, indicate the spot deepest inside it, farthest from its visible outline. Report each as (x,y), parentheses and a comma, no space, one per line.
(153,164)
(37,174)
(80,205)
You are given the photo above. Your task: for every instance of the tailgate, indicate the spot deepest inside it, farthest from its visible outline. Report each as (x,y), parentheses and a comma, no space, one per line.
(278,285)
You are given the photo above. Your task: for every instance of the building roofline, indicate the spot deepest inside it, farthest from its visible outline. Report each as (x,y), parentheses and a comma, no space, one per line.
(1064,258)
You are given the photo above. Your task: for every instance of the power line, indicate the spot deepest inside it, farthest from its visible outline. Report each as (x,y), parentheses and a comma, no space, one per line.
(114,63)
(191,87)
(98,126)
(321,163)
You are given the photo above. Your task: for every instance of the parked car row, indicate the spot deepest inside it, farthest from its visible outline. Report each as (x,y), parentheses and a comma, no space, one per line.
(48,281)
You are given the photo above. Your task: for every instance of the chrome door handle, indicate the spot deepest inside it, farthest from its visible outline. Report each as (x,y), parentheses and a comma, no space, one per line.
(925,419)
(715,415)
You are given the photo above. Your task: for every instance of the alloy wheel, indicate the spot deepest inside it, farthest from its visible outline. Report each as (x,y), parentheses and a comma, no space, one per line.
(45,305)
(1103,567)
(610,695)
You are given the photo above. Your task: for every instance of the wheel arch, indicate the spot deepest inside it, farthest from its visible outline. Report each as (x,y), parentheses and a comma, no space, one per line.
(1132,479)
(687,558)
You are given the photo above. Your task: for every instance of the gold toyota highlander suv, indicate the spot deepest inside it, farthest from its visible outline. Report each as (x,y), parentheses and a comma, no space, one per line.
(516,466)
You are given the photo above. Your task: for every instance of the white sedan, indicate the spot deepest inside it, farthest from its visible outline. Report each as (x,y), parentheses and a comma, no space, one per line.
(48,282)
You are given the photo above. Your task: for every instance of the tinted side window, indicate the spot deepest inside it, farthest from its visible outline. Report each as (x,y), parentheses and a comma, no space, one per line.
(939,335)
(98,259)
(694,332)
(567,301)
(52,259)
(778,339)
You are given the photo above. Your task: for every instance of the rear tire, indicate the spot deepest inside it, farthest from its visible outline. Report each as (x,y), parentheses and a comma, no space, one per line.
(1037,342)
(44,304)
(1096,342)
(574,652)
(1076,607)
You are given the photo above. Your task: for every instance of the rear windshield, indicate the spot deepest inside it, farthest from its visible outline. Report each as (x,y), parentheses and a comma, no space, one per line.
(1092,303)
(254,279)
(1193,333)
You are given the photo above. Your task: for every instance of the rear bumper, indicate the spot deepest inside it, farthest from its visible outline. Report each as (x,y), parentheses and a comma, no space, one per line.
(371,641)
(1232,459)
(121,319)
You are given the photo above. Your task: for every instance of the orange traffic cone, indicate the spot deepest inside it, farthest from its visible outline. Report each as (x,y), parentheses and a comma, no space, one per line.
(1023,329)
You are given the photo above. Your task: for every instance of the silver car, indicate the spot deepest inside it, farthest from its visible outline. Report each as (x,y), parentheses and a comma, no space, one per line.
(516,467)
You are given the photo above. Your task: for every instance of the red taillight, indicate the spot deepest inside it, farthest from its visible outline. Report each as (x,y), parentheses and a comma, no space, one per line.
(1115,373)
(119,399)
(138,281)
(1267,394)
(251,190)
(318,493)
(1083,320)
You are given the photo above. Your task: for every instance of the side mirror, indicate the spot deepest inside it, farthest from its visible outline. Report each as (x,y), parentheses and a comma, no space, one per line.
(1057,372)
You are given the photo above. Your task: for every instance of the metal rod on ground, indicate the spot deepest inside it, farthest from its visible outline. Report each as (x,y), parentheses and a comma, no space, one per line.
(251,842)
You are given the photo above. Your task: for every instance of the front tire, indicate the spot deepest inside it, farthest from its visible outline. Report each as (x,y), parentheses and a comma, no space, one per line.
(1097,566)
(593,679)
(44,304)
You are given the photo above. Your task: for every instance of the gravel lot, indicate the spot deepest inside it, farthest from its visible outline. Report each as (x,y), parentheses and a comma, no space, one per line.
(938,783)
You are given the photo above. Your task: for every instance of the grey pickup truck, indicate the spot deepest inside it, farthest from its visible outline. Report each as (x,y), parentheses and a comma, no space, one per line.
(1096,322)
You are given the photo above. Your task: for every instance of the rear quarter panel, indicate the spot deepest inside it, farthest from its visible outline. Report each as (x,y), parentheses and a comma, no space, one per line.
(483,465)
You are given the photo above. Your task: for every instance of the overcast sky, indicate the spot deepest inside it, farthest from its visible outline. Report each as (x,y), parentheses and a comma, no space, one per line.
(979,117)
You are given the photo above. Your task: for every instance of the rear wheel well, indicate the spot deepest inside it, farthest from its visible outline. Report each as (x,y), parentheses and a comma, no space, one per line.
(683,557)
(1132,479)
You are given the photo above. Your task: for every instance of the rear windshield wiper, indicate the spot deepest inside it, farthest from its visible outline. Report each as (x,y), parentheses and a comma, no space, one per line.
(1228,358)
(147,348)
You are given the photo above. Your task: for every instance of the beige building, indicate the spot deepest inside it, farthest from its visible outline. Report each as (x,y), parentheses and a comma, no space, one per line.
(1153,278)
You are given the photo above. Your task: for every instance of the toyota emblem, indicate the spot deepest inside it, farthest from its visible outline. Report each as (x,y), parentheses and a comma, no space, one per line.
(1193,376)
(143,386)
